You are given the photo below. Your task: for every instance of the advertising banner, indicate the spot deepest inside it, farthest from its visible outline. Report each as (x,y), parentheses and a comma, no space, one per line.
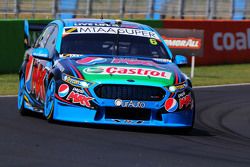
(225,41)
(186,42)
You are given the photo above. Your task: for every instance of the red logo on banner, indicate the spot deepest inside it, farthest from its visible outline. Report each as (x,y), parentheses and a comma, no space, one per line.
(183,43)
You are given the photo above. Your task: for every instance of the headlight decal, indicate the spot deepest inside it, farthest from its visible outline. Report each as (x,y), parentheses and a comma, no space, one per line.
(75,81)
(177,87)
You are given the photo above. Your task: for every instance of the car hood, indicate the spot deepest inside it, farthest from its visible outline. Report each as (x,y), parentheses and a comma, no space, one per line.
(127,70)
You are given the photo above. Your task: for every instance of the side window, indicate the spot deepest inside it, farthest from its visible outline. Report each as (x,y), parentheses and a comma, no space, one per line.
(41,41)
(51,42)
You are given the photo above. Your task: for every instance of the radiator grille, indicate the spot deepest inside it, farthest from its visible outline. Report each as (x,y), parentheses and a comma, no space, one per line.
(130,92)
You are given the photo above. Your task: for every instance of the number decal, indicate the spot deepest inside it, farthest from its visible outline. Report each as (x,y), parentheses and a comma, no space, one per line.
(153,41)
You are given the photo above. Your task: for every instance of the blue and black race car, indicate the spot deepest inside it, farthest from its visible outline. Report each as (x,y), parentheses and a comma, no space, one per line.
(102,71)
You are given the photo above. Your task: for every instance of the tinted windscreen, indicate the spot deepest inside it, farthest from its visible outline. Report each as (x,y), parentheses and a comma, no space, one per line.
(106,44)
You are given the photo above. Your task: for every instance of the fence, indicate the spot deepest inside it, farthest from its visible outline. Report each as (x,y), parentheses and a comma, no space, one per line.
(136,9)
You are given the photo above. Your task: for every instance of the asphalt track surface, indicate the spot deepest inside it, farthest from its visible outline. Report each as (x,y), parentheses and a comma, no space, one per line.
(221,138)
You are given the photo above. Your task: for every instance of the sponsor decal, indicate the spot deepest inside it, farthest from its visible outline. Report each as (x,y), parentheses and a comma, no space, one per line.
(110,30)
(171,105)
(75,81)
(153,42)
(129,103)
(134,62)
(94,70)
(35,77)
(95,24)
(183,43)
(181,95)
(104,25)
(128,71)
(231,40)
(159,60)
(185,101)
(70,55)
(63,90)
(178,87)
(79,98)
(128,121)
(78,90)
(91,60)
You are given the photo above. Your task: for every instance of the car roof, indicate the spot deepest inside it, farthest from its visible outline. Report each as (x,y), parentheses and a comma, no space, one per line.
(104,22)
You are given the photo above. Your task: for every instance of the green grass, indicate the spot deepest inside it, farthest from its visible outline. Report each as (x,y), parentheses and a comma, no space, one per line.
(206,75)
(8,84)
(221,74)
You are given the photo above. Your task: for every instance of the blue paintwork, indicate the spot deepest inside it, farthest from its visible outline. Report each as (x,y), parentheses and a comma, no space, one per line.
(180,60)
(21,92)
(41,53)
(50,98)
(70,113)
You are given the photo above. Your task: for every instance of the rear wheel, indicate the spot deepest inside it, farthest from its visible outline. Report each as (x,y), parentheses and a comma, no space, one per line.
(20,97)
(49,103)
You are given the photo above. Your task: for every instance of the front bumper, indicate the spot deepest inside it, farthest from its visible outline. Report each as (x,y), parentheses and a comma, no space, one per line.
(73,113)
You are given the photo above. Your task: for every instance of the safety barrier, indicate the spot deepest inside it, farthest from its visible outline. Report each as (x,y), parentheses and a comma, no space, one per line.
(224,42)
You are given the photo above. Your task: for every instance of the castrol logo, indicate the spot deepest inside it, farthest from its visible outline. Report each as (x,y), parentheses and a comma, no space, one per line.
(128,71)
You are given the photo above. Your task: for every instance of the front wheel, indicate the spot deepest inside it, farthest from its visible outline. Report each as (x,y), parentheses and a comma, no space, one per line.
(20,97)
(49,103)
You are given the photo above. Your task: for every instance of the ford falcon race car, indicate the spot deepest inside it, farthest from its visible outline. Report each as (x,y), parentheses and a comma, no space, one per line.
(105,72)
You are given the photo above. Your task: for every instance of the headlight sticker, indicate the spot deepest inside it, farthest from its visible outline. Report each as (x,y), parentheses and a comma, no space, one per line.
(75,81)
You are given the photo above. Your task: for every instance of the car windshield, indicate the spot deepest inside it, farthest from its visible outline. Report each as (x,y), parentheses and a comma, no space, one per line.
(106,44)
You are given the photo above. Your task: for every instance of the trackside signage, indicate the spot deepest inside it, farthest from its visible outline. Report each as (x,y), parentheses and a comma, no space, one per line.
(184,43)
(225,41)
(232,40)
(187,42)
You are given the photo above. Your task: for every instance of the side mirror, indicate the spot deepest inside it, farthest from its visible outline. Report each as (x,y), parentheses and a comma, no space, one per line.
(41,53)
(26,34)
(180,60)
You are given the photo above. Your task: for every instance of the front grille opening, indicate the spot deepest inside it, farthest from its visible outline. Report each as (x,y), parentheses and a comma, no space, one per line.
(130,92)
(127,113)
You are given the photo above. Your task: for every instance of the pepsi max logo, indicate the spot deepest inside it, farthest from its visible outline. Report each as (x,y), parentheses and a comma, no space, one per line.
(171,105)
(91,60)
(63,90)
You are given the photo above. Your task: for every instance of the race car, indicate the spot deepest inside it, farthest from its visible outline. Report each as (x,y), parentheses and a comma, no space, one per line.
(101,71)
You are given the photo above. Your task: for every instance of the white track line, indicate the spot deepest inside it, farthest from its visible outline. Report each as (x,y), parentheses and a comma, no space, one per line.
(195,87)
(217,86)
(8,96)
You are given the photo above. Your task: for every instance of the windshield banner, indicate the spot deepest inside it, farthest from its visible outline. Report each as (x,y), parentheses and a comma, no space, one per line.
(110,30)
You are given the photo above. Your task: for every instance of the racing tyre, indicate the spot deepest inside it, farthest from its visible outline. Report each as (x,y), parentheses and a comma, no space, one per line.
(20,97)
(49,103)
